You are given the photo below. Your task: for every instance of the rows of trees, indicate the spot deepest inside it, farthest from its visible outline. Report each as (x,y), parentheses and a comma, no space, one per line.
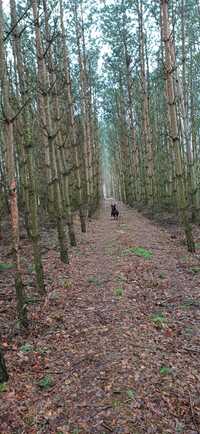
(115,82)
(49,142)
(152,95)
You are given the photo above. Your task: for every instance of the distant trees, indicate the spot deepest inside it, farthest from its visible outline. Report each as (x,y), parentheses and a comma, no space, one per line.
(172,89)
(151,116)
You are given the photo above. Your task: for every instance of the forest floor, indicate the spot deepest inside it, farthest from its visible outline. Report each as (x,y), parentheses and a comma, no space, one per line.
(114,347)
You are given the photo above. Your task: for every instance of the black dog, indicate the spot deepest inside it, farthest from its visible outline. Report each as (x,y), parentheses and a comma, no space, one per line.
(114,212)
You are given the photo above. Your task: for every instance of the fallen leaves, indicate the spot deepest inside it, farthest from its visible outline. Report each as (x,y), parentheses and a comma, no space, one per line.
(115,345)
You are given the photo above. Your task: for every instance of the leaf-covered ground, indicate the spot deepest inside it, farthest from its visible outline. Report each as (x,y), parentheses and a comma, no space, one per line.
(114,347)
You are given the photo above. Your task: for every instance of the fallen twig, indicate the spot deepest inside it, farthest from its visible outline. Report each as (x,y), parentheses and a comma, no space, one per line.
(107,427)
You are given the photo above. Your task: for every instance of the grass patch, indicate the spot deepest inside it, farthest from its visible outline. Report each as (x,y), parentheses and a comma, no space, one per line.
(46,382)
(189,331)
(131,394)
(95,280)
(118,292)
(116,403)
(165,370)
(180,428)
(194,270)
(138,251)
(161,275)
(26,348)
(3,387)
(159,320)
(4,267)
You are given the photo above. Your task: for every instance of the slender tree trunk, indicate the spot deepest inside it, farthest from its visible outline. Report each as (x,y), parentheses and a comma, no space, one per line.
(3,371)
(147,134)
(84,116)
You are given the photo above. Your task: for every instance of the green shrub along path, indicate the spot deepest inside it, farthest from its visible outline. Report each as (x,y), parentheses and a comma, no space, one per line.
(114,347)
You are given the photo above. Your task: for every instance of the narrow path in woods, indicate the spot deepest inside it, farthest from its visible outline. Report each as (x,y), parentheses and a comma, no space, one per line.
(118,336)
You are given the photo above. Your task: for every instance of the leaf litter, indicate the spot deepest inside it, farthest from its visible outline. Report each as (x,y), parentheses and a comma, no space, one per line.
(114,347)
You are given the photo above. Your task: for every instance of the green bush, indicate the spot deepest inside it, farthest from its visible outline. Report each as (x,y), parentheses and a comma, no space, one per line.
(139,251)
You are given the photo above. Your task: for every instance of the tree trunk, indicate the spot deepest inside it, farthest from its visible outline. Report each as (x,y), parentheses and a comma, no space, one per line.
(147,134)
(3,371)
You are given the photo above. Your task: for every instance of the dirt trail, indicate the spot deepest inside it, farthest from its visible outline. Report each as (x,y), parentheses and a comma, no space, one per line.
(118,336)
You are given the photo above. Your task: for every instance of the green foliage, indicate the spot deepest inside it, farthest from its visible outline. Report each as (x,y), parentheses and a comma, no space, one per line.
(195,270)
(119,292)
(139,251)
(162,275)
(130,393)
(189,331)
(94,280)
(115,403)
(76,431)
(180,428)
(3,387)
(165,370)
(159,320)
(4,267)
(46,382)
(26,348)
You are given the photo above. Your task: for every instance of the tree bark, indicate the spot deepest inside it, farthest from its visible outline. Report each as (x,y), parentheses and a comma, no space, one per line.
(3,370)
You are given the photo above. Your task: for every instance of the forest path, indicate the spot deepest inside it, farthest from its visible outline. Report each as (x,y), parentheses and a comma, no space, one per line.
(117,337)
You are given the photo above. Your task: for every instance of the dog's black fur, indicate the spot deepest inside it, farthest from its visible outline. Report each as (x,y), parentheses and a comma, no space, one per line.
(114,212)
